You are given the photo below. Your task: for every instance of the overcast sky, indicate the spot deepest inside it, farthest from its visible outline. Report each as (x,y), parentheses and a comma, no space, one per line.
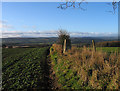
(43,19)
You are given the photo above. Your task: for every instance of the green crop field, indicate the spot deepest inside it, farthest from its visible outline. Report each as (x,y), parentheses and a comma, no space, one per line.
(108,49)
(23,68)
(105,49)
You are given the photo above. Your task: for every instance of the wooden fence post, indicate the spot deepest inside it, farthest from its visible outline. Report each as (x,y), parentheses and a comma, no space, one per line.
(93,45)
(64,47)
(94,49)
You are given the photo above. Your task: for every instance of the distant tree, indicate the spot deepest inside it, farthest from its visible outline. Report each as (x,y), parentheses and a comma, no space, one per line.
(62,35)
(10,46)
(3,46)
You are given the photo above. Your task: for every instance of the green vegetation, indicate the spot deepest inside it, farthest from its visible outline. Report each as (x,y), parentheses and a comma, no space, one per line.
(104,49)
(85,69)
(77,68)
(23,68)
(108,49)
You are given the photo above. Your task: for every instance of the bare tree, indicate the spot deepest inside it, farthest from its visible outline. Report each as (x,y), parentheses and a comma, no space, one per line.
(114,5)
(62,36)
(74,4)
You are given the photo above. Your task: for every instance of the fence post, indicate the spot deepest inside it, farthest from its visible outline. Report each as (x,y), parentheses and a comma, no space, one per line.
(94,49)
(93,45)
(64,47)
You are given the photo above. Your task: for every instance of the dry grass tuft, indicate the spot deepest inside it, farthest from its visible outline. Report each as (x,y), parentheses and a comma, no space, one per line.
(95,68)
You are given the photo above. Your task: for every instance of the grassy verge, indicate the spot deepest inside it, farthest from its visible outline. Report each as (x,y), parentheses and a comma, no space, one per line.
(85,69)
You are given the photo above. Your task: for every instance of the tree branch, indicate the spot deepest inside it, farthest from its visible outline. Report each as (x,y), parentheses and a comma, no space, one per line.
(74,4)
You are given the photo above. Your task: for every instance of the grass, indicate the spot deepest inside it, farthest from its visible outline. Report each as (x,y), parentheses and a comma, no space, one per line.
(105,49)
(108,49)
(82,68)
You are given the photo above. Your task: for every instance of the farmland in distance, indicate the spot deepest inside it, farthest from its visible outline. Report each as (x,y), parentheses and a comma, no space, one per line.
(34,67)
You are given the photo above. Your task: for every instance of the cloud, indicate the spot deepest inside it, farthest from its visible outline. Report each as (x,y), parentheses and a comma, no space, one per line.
(3,21)
(5,25)
(8,34)
(93,34)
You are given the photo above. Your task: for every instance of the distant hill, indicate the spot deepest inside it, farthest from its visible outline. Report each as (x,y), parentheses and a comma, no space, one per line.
(108,44)
(28,41)
(51,40)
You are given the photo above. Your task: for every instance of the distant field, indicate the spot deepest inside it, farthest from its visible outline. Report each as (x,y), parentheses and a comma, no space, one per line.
(108,49)
(23,68)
